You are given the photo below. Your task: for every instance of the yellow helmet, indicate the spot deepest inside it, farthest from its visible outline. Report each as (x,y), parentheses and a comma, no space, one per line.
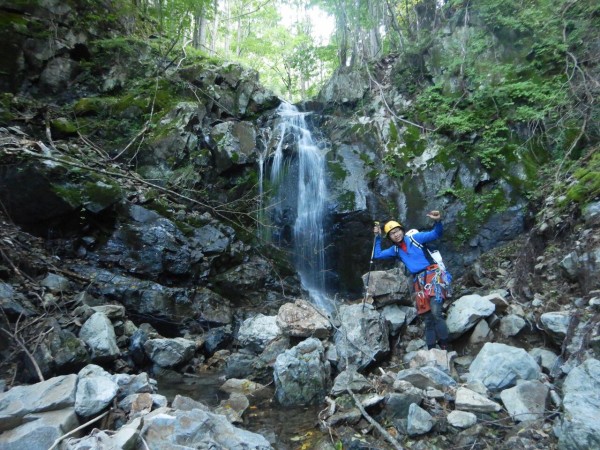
(389,226)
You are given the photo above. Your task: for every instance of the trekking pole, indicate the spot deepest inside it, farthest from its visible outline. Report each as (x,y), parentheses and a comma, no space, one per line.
(370,266)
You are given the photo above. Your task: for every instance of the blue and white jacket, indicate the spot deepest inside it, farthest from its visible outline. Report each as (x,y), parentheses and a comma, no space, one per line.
(413,258)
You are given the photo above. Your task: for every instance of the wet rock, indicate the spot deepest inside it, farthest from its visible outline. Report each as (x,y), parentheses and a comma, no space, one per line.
(148,245)
(244,280)
(233,408)
(210,240)
(187,404)
(240,365)
(244,387)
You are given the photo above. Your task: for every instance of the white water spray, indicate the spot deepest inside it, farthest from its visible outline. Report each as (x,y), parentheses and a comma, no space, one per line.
(309,245)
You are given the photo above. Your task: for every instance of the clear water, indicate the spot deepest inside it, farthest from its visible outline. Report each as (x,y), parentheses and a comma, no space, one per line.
(286,428)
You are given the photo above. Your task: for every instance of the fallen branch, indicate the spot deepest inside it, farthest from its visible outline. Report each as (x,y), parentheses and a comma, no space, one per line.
(72,432)
(373,422)
(27,352)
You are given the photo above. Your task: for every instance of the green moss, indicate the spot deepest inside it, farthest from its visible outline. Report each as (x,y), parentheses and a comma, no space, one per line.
(586,186)
(92,105)
(17,22)
(70,193)
(478,208)
(336,170)
(415,143)
(100,194)
(64,126)
(347,200)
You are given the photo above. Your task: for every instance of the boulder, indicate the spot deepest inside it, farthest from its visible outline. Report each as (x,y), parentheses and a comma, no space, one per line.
(499,366)
(302,319)
(302,375)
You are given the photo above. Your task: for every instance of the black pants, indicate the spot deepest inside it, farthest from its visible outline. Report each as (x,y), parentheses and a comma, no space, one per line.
(436,330)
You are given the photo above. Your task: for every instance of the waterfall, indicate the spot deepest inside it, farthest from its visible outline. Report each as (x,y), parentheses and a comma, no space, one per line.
(306,199)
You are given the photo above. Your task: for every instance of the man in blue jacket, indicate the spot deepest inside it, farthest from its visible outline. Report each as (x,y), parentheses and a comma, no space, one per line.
(430,282)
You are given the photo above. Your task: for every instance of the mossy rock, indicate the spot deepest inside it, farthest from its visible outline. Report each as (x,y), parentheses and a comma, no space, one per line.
(94,196)
(91,105)
(63,126)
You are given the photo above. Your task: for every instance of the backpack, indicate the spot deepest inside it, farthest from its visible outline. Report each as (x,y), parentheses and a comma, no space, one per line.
(433,256)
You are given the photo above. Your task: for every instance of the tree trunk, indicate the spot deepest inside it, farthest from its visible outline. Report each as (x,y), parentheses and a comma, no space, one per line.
(375,21)
(215,29)
(342,32)
(199,34)
(226,34)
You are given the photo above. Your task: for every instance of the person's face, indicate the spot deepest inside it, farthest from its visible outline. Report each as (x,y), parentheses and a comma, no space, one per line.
(397,235)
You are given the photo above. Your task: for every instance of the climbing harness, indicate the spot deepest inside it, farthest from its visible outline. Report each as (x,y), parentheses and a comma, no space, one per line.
(433,283)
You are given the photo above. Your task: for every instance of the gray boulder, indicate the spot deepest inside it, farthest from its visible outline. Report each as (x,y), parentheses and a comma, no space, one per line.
(362,338)
(170,352)
(499,366)
(466,312)
(526,401)
(98,333)
(256,332)
(302,375)
(95,390)
(49,395)
(578,427)
(166,428)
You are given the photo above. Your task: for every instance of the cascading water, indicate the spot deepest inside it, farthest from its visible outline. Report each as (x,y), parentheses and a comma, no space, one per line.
(309,205)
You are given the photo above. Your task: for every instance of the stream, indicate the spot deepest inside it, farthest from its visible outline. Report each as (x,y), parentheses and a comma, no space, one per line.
(285,427)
